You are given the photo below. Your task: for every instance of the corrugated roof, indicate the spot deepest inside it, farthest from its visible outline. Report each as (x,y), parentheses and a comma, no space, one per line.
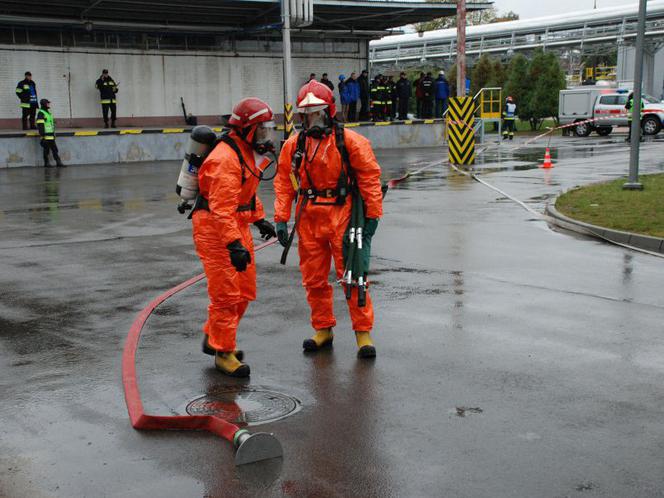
(221,15)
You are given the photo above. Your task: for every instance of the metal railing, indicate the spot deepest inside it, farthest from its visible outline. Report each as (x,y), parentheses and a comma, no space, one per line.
(585,33)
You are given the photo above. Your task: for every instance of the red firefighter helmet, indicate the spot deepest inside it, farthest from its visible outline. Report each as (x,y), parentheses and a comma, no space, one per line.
(250,111)
(315,96)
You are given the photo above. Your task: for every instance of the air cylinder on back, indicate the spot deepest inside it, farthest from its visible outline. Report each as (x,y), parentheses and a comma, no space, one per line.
(199,145)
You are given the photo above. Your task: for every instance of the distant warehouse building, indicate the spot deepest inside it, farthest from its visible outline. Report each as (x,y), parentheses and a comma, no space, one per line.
(209,52)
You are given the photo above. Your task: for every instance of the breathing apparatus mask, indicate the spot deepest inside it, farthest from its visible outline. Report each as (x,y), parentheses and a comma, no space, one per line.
(261,139)
(316,121)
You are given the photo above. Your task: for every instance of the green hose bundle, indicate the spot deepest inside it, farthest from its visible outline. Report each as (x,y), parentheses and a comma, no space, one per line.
(356,251)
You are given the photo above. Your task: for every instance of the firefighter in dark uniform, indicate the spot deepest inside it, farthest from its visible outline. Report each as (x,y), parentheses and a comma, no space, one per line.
(389,97)
(26,91)
(107,90)
(46,127)
(377,102)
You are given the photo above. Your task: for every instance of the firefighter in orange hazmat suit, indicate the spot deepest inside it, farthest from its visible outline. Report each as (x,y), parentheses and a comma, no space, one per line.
(324,206)
(227,204)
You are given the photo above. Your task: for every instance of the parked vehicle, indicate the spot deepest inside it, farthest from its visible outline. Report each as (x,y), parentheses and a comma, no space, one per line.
(577,105)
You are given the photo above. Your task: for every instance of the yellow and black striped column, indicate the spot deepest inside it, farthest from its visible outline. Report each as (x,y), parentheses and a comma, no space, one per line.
(460,133)
(288,120)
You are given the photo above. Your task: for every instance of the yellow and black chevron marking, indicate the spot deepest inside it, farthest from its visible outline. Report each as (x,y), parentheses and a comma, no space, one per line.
(460,134)
(288,120)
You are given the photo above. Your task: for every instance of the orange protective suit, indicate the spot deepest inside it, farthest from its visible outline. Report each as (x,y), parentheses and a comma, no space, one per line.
(220,182)
(321,227)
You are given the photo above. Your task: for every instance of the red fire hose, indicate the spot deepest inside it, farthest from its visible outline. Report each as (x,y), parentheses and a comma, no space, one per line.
(250,447)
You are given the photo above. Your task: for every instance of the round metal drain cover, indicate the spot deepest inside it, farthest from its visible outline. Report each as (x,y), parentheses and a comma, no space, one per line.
(245,405)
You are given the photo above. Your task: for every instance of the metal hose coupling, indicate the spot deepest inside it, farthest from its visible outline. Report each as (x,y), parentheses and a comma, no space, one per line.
(250,448)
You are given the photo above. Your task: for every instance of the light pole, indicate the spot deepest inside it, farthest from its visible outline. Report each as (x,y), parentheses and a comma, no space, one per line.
(288,106)
(461,48)
(633,181)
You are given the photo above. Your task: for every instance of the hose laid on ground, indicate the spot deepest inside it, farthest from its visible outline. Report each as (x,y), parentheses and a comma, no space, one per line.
(546,218)
(249,447)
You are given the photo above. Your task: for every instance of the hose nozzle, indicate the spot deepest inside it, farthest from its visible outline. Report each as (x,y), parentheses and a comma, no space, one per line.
(250,448)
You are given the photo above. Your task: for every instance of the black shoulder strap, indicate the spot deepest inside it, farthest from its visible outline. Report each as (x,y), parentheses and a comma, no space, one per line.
(225,138)
(346,174)
(298,156)
(339,135)
(299,149)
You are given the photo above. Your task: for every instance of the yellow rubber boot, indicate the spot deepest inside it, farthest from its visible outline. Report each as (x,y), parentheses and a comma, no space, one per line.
(321,339)
(230,365)
(366,348)
(207,349)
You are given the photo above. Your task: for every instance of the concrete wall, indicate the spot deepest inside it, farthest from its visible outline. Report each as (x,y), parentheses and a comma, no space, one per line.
(152,81)
(25,151)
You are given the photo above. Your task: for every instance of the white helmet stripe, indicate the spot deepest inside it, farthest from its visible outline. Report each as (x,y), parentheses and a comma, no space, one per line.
(257,113)
(309,100)
(235,116)
(311,109)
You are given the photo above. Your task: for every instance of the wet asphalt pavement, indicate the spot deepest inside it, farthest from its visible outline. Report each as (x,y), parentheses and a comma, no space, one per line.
(513,360)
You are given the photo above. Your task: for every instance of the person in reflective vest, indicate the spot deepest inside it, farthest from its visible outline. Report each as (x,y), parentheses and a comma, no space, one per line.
(46,127)
(628,107)
(377,103)
(509,118)
(107,90)
(26,91)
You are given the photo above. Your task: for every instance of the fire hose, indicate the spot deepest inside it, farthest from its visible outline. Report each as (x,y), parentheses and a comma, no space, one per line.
(249,447)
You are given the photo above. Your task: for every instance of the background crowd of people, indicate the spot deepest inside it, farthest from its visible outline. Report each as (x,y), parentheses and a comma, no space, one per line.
(384,99)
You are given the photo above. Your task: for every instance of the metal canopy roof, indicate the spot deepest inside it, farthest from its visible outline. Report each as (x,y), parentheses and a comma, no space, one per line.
(220,15)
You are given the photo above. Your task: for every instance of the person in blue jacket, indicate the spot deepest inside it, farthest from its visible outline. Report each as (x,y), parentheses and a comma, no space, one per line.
(354,95)
(442,94)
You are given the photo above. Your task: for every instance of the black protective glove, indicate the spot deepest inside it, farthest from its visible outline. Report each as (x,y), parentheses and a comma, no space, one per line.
(240,256)
(265,228)
(282,233)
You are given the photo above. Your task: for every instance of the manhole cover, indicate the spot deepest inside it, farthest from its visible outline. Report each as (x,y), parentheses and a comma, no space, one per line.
(245,405)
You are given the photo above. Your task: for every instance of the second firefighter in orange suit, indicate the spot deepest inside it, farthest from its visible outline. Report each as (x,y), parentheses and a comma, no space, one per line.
(323,220)
(227,184)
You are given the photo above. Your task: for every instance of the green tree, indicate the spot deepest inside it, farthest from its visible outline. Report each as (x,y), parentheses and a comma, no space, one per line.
(507,16)
(527,107)
(473,18)
(481,73)
(498,75)
(451,78)
(544,96)
(516,82)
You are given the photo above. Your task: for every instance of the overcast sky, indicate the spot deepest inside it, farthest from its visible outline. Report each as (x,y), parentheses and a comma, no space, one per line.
(534,8)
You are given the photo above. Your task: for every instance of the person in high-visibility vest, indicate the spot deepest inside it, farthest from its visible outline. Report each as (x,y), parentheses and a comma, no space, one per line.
(46,127)
(26,91)
(628,107)
(377,103)
(107,90)
(509,118)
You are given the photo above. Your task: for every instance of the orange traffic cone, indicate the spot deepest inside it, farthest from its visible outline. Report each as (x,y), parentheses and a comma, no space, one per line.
(547,160)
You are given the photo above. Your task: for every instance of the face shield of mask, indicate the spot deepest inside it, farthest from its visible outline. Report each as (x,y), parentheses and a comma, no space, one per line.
(264,137)
(314,120)
(265,132)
